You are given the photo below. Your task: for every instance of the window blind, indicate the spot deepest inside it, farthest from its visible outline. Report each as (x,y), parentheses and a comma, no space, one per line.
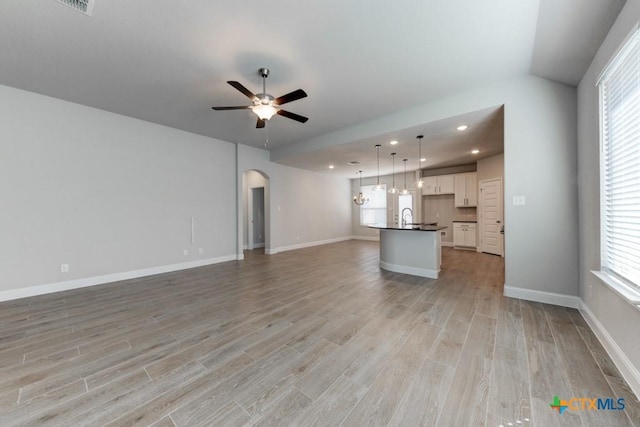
(374,212)
(620,164)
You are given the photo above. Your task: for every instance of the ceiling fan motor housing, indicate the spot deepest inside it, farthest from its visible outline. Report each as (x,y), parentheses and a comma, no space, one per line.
(264,99)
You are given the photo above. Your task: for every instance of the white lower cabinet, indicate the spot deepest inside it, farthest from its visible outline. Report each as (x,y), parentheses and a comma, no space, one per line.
(464,234)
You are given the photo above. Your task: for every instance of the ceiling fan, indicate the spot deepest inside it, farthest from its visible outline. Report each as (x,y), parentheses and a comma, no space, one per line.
(265,105)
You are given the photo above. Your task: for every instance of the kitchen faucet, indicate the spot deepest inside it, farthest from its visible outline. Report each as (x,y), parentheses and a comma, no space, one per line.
(404,216)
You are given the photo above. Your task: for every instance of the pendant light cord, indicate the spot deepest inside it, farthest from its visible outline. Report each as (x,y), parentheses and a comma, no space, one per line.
(405,173)
(393,170)
(378,148)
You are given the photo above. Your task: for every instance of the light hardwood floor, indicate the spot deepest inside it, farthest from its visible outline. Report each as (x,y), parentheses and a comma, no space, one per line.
(319,336)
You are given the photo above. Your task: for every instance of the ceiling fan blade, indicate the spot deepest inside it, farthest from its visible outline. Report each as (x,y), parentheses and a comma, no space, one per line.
(260,123)
(291,96)
(231,108)
(242,89)
(294,116)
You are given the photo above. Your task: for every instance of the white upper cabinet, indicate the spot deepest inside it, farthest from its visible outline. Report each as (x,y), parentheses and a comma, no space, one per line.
(466,190)
(441,184)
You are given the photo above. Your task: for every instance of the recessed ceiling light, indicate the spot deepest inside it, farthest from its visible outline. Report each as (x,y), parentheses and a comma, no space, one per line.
(394,142)
(462,127)
(423,159)
(331,166)
(475,151)
(353,162)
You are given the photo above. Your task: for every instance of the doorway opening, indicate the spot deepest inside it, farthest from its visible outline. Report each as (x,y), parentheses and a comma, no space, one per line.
(255,217)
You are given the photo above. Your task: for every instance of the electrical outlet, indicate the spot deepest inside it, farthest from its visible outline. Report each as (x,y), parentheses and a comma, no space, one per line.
(186,252)
(64,268)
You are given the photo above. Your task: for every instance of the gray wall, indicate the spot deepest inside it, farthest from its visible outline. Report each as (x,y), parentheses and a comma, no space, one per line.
(441,209)
(114,197)
(491,167)
(105,193)
(616,318)
(541,242)
(304,208)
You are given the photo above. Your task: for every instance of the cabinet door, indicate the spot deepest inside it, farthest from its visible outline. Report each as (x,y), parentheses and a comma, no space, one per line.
(430,185)
(472,189)
(458,235)
(445,184)
(471,236)
(460,187)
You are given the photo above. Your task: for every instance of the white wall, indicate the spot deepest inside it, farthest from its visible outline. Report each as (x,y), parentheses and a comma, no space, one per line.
(616,318)
(105,193)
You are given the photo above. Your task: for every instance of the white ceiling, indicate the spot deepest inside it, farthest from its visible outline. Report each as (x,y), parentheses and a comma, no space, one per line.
(167,61)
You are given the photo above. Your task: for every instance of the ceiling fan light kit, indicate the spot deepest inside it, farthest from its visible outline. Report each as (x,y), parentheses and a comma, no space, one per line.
(265,106)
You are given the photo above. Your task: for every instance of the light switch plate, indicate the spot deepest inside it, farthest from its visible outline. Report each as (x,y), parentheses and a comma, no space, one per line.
(519,200)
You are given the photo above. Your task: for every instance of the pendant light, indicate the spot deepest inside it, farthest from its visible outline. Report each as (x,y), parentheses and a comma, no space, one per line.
(360,199)
(419,182)
(404,191)
(378,186)
(393,190)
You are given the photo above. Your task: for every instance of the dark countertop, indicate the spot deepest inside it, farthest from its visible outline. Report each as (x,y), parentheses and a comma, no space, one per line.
(421,227)
(465,220)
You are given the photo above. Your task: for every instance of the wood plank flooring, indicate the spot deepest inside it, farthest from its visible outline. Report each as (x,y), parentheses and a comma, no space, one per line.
(314,337)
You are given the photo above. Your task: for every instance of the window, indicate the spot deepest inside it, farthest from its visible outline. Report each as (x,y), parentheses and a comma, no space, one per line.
(620,164)
(374,212)
(405,201)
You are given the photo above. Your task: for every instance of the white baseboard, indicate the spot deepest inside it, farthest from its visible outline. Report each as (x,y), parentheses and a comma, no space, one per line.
(370,238)
(306,245)
(622,362)
(422,272)
(542,296)
(447,244)
(107,278)
(258,245)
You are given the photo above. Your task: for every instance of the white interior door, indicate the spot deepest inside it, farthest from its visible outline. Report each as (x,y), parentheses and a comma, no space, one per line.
(491,220)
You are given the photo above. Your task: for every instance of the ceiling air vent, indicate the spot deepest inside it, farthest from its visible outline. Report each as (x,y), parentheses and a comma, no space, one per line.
(84,6)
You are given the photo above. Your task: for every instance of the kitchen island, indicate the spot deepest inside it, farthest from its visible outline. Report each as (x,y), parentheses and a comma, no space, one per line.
(414,249)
